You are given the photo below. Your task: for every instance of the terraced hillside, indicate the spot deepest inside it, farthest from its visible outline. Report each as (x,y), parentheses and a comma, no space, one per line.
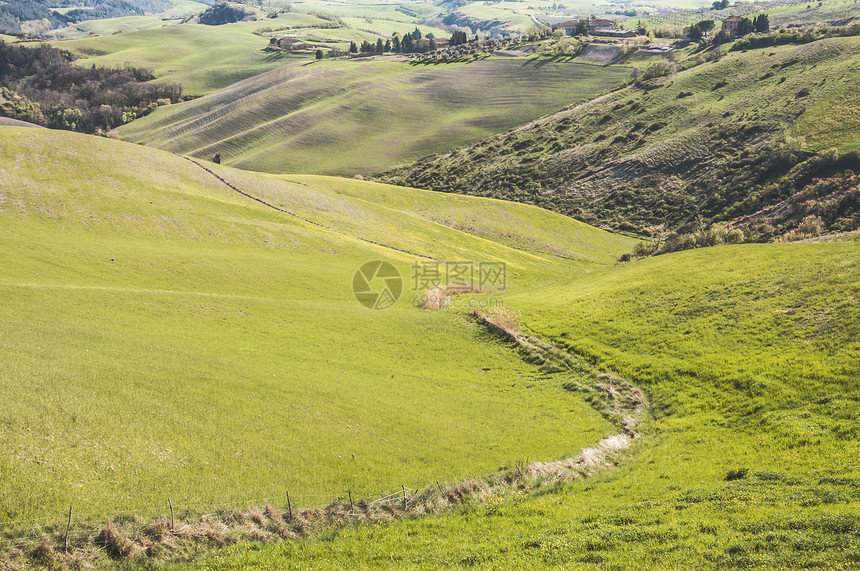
(358,117)
(165,335)
(718,141)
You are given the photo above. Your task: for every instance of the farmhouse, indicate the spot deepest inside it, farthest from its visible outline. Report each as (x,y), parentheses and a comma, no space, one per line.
(569,27)
(730,25)
(599,25)
(594,26)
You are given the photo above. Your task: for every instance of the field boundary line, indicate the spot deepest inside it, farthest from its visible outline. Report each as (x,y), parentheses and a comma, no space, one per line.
(234,188)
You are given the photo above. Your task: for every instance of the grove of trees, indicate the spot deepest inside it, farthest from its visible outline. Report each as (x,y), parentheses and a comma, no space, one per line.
(42,85)
(222,14)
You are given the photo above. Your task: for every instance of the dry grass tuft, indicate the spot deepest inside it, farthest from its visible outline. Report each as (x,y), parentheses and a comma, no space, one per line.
(159,530)
(256,516)
(505,318)
(85,558)
(436,297)
(116,543)
(271,512)
(256,534)
(280,530)
(212,531)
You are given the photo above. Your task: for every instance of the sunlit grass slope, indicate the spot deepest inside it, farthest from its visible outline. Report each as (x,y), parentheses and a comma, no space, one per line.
(162,335)
(207,58)
(123,24)
(751,359)
(110,26)
(200,58)
(344,117)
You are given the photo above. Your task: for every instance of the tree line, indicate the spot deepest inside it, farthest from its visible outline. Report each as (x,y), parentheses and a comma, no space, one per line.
(699,31)
(407,43)
(42,85)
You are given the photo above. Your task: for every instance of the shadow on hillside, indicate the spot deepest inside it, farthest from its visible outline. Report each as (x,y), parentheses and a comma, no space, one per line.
(543,60)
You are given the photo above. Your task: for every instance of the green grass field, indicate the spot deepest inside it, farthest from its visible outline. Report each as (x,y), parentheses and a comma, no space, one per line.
(207,58)
(387,27)
(110,26)
(201,58)
(516,19)
(410,12)
(348,117)
(163,336)
(749,355)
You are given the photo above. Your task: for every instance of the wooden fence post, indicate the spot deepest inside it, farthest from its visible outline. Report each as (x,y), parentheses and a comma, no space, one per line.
(404,498)
(172,523)
(68,528)
(351,507)
(289,505)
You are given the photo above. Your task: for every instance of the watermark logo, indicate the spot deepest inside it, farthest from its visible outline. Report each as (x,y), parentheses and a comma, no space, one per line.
(377,285)
(474,276)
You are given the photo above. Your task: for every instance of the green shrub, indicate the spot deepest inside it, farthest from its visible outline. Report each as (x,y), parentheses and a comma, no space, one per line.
(659,69)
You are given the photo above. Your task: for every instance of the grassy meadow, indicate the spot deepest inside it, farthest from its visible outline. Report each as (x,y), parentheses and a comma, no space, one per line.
(358,117)
(749,355)
(164,336)
(207,58)
(111,26)
(409,12)
(200,58)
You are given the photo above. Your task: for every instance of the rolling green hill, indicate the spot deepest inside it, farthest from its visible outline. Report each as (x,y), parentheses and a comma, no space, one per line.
(207,58)
(712,143)
(749,355)
(201,58)
(349,117)
(165,335)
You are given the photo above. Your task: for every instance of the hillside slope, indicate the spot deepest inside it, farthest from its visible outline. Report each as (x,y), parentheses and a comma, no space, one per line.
(162,333)
(343,117)
(718,141)
(750,358)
